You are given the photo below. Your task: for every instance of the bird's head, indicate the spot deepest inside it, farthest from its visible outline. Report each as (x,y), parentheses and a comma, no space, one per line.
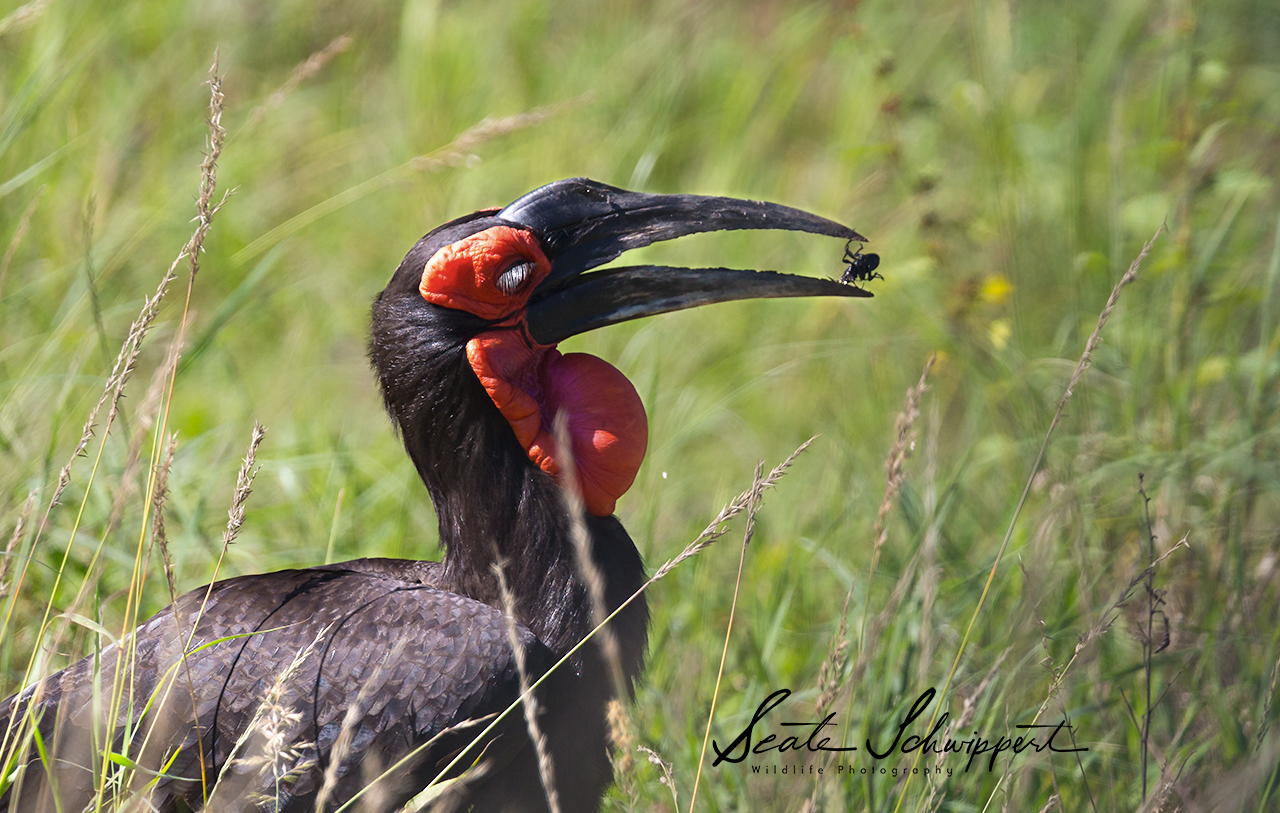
(473,315)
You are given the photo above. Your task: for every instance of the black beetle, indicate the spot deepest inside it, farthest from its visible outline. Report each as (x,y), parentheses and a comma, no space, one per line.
(861,267)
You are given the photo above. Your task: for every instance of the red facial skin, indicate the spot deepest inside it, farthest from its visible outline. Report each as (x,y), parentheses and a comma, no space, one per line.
(530,383)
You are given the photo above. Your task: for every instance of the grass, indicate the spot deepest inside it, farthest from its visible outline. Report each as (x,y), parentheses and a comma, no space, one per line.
(1009,162)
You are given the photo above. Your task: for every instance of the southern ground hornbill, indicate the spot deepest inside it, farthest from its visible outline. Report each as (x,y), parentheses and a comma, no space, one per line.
(394,654)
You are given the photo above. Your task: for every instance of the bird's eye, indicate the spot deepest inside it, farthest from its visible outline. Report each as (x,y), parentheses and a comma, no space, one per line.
(509,281)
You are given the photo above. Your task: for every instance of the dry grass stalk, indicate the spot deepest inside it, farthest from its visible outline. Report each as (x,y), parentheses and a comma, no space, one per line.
(346,735)
(1114,607)
(716,528)
(333,525)
(235,515)
(1086,359)
(161,540)
(546,769)
(205,210)
(272,718)
(23,16)
(1159,800)
(1148,643)
(114,387)
(1264,724)
(903,443)
(20,527)
(969,709)
(158,536)
(1048,661)
(829,691)
(112,392)
(1053,800)
(128,356)
(1095,338)
(276,755)
(244,487)
(24,222)
(304,71)
(622,737)
(209,167)
(930,572)
(146,413)
(833,666)
(617,717)
(1051,664)
(1107,619)
(460,151)
(753,505)
(668,776)
(1248,786)
(377,787)
(584,559)
(148,410)
(709,535)
(967,712)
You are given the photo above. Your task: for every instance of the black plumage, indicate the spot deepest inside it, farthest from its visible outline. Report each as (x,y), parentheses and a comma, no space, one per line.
(407,656)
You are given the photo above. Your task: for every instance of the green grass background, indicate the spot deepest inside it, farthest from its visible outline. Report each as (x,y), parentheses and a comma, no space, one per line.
(1007,159)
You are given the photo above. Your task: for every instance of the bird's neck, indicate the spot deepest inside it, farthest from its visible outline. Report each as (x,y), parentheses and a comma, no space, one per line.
(495,506)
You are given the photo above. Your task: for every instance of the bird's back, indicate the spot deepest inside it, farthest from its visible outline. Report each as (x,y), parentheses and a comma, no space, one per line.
(280,668)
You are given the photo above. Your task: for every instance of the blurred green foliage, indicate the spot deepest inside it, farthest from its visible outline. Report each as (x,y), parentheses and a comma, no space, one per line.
(1008,160)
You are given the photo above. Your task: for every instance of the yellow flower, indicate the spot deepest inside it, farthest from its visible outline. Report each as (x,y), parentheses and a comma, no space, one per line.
(996,290)
(999,333)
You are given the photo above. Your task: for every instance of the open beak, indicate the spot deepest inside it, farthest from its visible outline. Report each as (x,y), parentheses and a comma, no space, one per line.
(584,224)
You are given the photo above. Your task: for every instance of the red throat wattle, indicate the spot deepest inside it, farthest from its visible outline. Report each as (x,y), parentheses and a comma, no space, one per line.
(531,383)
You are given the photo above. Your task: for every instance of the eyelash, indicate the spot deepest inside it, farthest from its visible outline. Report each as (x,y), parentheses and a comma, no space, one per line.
(515,277)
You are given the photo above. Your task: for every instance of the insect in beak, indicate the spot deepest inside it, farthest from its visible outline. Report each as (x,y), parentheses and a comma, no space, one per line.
(861,267)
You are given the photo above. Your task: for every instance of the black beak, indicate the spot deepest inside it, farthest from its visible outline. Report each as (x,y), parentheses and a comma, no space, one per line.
(584,224)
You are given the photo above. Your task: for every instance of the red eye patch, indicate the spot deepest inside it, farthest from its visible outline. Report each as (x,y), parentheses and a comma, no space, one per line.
(492,274)
(468,275)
